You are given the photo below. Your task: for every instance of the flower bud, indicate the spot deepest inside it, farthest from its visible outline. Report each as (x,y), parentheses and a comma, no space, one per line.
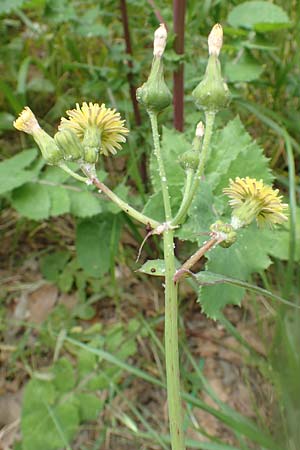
(154,94)
(28,123)
(189,160)
(215,40)
(226,231)
(50,151)
(91,144)
(197,141)
(70,145)
(212,93)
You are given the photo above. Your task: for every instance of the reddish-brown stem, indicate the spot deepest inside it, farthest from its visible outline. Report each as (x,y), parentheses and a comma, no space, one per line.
(179,7)
(157,12)
(132,88)
(195,257)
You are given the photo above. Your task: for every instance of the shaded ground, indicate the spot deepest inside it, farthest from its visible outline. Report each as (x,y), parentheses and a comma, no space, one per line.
(28,299)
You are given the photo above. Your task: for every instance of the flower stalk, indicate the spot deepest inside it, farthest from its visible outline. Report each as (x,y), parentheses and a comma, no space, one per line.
(171,308)
(188,198)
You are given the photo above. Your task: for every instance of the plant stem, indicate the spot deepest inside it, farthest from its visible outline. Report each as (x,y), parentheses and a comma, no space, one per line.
(171,309)
(195,257)
(123,205)
(186,192)
(72,173)
(209,123)
(161,167)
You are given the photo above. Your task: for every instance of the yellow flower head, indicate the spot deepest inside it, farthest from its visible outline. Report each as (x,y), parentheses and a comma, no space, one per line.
(104,123)
(251,199)
(26,121)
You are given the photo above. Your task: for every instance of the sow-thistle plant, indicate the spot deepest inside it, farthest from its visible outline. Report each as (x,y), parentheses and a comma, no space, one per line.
(92,130)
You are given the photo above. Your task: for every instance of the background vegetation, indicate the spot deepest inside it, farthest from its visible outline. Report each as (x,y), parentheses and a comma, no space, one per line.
(81,333)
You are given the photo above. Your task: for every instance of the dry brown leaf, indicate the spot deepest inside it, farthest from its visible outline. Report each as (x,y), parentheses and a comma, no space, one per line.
(41,302)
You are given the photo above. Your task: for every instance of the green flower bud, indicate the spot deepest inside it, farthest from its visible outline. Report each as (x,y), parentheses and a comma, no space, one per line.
(70,145)
(91,144)
(189,160)
(212,93)
(227,230)
(155,94)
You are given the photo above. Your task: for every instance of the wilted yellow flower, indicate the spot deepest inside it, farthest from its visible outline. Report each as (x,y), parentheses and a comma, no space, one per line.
(251,199)
(96,123)
(26,121)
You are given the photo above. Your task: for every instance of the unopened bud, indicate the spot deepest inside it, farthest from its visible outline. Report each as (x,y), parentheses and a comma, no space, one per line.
(215,40)
(70,145)
(189,160)
(226,231)
(91,144)
(155,94)
(200,129)
(212,93)
(197,141)
(160,40)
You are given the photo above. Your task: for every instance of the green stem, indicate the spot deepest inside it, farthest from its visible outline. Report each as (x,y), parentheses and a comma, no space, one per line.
(161,167)
(186,202)
(171,310)
(123,205)
(186,192)
(73,174)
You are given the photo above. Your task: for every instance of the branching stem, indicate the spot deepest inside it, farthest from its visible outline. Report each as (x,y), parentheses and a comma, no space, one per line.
(171,309)
(187,200)
(123,205)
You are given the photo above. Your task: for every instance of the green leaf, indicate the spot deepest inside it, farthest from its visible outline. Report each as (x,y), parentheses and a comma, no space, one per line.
(155,206)
(6,121)
(64,378)
(258,15)
(233,153)
(93,245)
(244,70)
(84,204)
(53,264)
(89,406)
(173,144)
(202,213)
(59,199)
(249,254)
(6,6)
(45,424)
(206,278)
(12,173)
(87,362)
(154,267)
(32,201)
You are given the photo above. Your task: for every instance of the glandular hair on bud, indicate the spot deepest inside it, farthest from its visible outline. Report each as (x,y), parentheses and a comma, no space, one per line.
(160,41)
(70,145)
(215,40)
